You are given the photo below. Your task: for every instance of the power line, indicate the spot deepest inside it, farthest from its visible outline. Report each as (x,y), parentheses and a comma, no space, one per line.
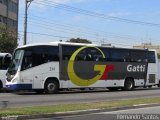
(67,30)
(97,15)
(80,29)
(93,14)
(46,34)
(124,45)
(58,36)
(86,28)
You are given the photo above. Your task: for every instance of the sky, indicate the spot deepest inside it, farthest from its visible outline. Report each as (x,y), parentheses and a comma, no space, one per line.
(118,22)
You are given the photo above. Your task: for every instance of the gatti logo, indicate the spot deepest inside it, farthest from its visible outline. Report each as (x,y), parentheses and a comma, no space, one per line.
(136,68)
(102,69)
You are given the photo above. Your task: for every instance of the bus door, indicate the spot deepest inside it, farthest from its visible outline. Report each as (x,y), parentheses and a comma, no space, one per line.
(152,76)
(26,68)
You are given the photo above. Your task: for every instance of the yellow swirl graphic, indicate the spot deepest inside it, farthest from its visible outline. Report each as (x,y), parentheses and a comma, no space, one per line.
(79,81)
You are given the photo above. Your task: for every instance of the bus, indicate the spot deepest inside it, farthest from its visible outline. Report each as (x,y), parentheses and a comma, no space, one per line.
(55,66)
(5,59)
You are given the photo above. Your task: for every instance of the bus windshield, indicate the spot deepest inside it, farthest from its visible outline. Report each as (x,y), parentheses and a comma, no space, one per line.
(15,63)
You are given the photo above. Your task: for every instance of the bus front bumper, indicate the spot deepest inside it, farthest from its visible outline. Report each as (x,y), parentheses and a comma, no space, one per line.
(19,87)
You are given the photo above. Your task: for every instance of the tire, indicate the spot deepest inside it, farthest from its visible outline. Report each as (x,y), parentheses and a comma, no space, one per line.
(158,84)
(1,85)
(129,84)
(51,86)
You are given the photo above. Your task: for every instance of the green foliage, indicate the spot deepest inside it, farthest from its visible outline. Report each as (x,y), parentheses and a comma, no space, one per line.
(158,55)
(79,40)
(35,110)
(8,40)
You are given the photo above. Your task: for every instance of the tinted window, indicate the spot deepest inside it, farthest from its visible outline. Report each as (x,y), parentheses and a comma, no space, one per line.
(38,55)
(7,61)
(53,53)
(139,56)
(67,51)
(27,60)
(44,54)
(120,55)
(151,57)
(107,55)
(89,54)
(4,62)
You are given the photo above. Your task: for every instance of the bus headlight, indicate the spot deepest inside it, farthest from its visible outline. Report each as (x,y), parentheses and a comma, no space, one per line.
(14,80)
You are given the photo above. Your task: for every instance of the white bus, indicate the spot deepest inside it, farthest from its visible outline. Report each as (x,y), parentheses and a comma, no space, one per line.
(5,59)
(55,66)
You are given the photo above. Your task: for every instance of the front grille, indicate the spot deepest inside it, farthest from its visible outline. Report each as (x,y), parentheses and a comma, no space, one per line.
(152,78)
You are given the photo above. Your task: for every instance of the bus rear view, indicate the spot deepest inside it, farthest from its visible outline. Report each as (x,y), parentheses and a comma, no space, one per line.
(5,59)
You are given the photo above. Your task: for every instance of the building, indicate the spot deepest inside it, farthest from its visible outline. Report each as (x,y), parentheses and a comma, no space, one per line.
(149,46)
(9,14)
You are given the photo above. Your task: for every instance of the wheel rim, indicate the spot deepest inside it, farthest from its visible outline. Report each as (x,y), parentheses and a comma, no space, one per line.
(51,87)
(130,85)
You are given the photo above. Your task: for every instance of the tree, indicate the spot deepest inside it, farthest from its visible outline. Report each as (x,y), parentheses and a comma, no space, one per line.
(158,55)
(8,39)
(79,40)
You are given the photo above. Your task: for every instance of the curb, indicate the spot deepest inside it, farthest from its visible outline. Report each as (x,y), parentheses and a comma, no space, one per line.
(81,112)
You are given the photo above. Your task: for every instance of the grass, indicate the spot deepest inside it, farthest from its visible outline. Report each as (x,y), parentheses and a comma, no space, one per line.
(72,107)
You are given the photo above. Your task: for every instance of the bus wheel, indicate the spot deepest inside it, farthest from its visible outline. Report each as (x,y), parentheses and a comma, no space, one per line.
(129,84)
(158,84)
(51,86)
(1,85)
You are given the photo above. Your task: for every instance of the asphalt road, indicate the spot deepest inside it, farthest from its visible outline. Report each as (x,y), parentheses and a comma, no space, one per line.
(148,113)
(33,99)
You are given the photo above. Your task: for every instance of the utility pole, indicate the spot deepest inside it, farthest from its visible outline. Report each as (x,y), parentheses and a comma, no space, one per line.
(27,4)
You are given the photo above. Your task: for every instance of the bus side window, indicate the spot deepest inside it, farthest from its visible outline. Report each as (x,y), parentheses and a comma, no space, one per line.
(151,57)
(6,63)
(67,51)
(27,60)
(45,58)
(98,58)
(106,52)
(53,53)
(117,55)
(89,57)
(139,56)
(81,57)
(127,58)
